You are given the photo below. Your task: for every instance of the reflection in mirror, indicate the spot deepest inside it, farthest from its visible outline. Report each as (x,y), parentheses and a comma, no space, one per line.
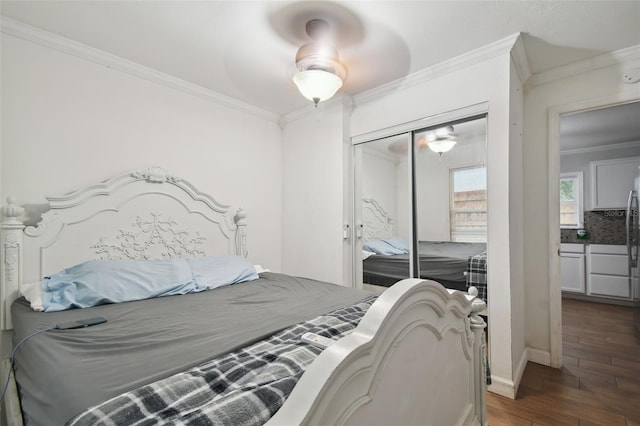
(450,180)
(424,206)
(386,218)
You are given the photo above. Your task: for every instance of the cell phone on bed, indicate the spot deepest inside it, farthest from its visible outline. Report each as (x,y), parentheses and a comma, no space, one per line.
(87,322)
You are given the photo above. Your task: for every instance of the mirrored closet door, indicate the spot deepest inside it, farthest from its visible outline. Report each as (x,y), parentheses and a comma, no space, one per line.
(421,206)
(384,203)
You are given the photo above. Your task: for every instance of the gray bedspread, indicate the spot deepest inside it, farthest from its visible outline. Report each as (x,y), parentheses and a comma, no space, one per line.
(442,261)
(245,387)
(62,372)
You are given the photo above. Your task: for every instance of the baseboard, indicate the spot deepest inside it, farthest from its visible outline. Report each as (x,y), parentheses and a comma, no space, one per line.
(539,356)
(522,365)
(506,387)
(502,386)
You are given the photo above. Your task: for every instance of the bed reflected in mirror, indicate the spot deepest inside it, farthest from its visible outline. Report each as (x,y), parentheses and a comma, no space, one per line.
(451,203)
(386,211)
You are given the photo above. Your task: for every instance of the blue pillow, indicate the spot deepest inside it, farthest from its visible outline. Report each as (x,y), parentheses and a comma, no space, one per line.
(97,282)
(381,247)
(218,271)
(399,243)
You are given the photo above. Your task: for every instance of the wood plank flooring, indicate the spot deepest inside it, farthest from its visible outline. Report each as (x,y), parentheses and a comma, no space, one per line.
(599,383)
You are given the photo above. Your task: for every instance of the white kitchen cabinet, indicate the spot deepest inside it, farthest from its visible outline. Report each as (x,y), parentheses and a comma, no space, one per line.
(611,181)
(608,271)
(572,268)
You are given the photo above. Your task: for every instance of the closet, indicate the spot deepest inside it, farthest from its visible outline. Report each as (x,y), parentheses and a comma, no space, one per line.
(420,201)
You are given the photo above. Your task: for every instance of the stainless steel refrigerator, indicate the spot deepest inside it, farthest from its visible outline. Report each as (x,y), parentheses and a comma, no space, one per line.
(633,242)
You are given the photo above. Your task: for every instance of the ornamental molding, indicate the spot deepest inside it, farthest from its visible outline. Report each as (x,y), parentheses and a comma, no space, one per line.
(46,220)
(149,235)
(155,175)
(11,252)
(377,222)
(11,211)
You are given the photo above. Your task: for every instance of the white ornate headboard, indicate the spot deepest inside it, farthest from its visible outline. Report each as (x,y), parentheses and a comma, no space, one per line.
(378,224)
(136,215)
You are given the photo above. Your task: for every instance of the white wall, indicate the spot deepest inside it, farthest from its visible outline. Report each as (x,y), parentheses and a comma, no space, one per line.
(544,102)
(314,195)
(68,122)
(488,82)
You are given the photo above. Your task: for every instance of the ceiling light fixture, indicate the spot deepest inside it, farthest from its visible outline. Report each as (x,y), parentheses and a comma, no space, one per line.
(441,140)
(319,71)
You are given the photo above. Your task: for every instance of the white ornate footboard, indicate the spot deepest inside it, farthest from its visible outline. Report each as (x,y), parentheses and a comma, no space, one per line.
(416,358)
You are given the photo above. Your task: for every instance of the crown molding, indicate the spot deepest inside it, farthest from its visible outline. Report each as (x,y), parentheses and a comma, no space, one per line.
(590,64)
(520,60)
(44,38)
(463,61)
(622,145)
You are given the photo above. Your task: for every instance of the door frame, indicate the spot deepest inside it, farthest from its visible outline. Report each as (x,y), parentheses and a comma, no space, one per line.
(555,293)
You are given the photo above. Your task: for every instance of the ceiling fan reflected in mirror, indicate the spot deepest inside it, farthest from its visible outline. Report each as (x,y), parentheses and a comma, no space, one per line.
(319,72)
(439,140)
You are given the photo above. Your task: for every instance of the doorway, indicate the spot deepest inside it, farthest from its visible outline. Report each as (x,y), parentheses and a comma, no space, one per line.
(582,137)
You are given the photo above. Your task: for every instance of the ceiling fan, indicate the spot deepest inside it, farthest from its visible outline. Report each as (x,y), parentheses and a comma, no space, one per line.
(319,71)
(352,61)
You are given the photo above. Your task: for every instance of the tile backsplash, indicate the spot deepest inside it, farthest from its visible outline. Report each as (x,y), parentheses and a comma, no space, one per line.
(603,227)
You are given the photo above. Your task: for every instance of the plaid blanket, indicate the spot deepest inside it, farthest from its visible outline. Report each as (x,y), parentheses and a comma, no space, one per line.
(477,274)
(245,387)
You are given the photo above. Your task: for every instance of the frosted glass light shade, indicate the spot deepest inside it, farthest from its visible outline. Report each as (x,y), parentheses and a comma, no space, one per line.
(317,85)
(441,146)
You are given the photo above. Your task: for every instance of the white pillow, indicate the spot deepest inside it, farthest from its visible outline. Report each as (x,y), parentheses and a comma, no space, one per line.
(33,293)
(366,254)
(260,269)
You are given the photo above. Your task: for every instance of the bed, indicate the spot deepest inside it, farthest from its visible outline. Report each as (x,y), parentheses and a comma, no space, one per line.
(164,359)
(446,262)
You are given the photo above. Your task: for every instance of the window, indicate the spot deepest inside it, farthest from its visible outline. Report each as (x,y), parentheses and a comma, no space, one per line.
(468,221)
(571,200)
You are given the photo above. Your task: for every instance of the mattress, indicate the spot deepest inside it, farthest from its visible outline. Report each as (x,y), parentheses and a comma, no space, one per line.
(442,261)
(62,372)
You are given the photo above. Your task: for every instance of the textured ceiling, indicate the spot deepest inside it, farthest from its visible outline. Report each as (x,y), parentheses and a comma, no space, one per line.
(245,49)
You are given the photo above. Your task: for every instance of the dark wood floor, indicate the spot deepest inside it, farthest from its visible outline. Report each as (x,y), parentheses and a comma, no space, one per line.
(599,383)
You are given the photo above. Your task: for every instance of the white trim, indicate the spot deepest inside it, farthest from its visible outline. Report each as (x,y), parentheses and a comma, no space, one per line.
(502,386)
(522,365)
(449,66)
(622,145)
(520,61)
(586,65)
(44,38)
(538,356)
(506,387)
(445,117)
